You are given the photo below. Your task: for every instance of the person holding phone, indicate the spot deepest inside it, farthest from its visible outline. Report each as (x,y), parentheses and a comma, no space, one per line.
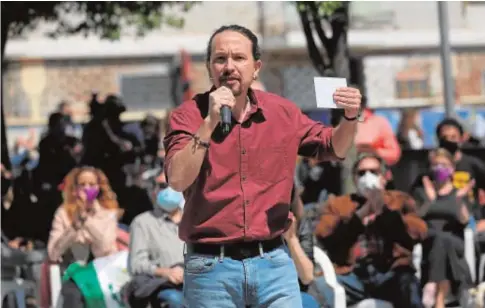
(84,226)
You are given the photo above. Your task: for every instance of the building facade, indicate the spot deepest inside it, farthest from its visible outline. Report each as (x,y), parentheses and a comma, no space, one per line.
(397,42)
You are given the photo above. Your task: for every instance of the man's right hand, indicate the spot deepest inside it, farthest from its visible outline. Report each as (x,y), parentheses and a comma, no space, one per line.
(218,98)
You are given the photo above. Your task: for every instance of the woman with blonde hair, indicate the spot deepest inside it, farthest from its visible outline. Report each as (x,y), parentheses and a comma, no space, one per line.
(444,268)
(85,225)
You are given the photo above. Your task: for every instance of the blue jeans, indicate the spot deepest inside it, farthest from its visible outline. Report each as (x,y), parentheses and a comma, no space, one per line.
(173,297)
(267,281)
(308,301)
(399,287)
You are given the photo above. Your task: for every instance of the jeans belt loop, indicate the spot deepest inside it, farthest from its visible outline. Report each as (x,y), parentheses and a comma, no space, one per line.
(261,251)
(221,255)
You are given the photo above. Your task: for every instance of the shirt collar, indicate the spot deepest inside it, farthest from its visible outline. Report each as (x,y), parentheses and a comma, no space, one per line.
(255,100)
(162,214)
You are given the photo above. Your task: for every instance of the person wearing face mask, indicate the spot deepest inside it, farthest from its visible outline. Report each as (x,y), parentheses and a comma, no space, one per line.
(442,207)
(84,226)
(450,134)
(156,253)
(369,237)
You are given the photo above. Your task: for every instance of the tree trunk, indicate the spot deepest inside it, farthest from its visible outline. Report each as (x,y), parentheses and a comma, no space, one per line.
(341,62)
(333,61)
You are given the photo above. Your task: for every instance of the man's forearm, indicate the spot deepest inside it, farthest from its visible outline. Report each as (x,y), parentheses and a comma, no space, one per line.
(343,137)
(185,165)
(303,264)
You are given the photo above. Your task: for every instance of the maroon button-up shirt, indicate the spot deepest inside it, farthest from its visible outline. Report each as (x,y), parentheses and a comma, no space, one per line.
(243,190)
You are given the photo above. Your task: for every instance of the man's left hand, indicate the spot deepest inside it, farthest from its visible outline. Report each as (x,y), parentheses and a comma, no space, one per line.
(349,99)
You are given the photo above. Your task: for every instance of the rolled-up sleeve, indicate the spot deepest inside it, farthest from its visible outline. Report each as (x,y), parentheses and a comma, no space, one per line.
(139,262)
(182,124)
(315,139)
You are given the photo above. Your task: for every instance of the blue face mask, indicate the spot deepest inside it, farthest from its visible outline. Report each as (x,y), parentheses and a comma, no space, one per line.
(169,200)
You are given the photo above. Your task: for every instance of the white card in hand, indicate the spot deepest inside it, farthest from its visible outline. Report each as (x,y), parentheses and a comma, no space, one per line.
(324,89)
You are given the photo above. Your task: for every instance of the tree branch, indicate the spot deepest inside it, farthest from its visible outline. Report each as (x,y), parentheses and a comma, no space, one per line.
(315,55)
(317,24)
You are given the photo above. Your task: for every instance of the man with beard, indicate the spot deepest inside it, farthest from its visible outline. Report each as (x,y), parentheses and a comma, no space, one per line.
(237,183)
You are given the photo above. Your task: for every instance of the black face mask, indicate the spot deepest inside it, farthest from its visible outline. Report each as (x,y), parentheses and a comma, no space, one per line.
(450,146)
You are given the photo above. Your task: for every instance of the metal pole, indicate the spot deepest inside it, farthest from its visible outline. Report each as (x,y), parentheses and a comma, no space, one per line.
(445,52)
(261,22)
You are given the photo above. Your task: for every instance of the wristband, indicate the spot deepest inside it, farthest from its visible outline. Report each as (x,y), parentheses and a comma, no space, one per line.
(358,117)
(201,143)
(350,119)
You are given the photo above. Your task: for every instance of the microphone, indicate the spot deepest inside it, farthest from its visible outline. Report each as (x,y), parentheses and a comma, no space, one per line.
(226,119)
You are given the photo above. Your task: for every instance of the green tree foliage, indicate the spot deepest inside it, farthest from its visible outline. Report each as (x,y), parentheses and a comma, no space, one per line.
(104,19)
(326,22)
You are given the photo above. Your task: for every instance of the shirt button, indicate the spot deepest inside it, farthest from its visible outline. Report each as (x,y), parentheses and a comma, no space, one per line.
(244,178)
(246,202)
(243,151)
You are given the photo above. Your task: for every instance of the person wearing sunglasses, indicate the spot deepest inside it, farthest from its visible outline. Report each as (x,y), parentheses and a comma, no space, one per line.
(444,209)
(369,236)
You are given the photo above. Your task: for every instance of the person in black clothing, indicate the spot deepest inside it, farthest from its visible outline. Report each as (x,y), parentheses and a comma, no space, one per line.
(317,179)
(446,214)
(107,146)
(450,134)
(299,238)
(151,140)
(58,154)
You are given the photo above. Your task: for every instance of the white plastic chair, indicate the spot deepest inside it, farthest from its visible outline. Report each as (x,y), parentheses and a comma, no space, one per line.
(55,285)
(470,252)
(339,292)
(331,278)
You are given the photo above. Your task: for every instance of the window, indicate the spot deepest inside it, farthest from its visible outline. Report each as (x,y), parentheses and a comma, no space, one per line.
(146,91)
(412,88)
(299,86)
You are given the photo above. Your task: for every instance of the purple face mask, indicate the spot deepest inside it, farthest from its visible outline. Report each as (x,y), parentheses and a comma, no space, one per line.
(91,193)
(441,173)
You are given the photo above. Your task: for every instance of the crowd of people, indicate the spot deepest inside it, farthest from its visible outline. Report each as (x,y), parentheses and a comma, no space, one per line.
(230,219)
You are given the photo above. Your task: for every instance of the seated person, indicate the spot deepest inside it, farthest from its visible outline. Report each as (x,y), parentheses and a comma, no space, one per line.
(450,135)
(84,226)
(369,236)
(299,239)
(157,254)
(446,214)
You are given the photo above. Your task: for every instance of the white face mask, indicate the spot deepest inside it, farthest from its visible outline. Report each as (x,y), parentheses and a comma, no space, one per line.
(368,182)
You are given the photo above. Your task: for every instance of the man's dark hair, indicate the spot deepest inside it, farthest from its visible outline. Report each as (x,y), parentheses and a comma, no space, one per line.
(364,155)
(256,51)
(449,122)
